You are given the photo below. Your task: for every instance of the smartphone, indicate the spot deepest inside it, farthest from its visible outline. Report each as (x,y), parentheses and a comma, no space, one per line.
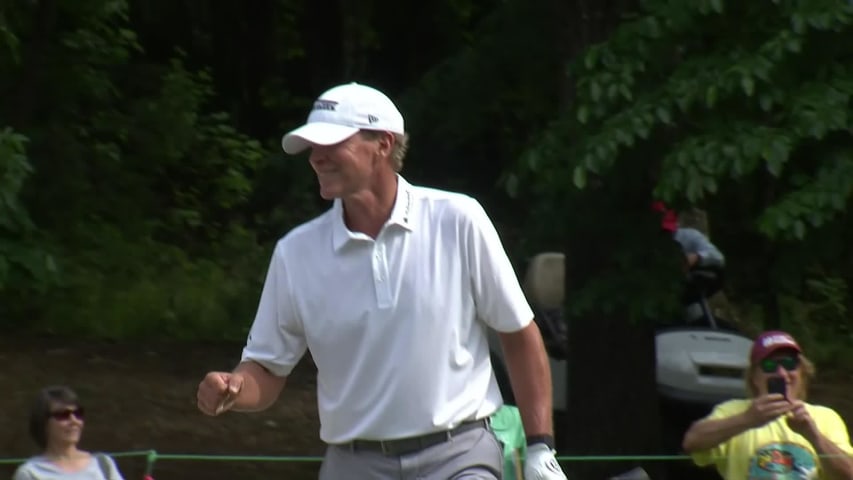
(777,385)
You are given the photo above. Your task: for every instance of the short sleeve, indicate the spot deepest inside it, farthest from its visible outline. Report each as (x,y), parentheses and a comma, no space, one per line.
(712,455)
(23,473)
(276,339)
(113,471)
(498,296)
(832,426)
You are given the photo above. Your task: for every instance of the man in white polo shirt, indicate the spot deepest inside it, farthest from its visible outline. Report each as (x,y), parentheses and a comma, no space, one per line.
(392,290)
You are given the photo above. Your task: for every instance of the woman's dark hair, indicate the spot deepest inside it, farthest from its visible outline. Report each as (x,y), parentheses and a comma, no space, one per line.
(40,411)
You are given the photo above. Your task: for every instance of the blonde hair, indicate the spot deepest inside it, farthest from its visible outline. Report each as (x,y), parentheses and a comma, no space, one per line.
(398,152)
(807,373)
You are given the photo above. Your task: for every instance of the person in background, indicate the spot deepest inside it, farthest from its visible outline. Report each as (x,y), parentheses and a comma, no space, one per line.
(774,434)
(703,262)
(698,249)
(56,425)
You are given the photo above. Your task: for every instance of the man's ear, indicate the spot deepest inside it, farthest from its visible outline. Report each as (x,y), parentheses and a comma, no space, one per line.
(386,143)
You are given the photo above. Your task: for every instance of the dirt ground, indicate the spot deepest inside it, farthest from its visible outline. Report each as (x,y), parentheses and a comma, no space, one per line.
(141,397)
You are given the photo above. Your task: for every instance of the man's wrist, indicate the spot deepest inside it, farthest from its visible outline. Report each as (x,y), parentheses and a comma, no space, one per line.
(544,439)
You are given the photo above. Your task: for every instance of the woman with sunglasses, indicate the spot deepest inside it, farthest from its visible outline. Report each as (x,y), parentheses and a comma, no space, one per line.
(774,434)
(56,423)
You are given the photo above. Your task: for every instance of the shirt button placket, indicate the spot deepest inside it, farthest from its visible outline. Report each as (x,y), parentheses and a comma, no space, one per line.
(380,275)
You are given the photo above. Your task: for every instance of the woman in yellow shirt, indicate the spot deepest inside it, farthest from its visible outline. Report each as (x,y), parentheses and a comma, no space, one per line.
(774,434)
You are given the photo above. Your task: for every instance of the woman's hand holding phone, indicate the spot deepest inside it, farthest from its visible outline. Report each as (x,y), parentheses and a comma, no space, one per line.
(767,408)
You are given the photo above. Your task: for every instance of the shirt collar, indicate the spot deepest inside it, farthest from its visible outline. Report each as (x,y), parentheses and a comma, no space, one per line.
(402,214)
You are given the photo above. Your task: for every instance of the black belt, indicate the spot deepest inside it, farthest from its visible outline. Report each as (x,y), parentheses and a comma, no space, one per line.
(403,446)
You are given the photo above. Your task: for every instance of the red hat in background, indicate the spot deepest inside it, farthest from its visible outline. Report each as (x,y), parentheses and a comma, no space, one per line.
(770,341)
(669,220)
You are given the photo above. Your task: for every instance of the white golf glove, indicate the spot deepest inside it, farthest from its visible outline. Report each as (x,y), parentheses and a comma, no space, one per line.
(541,464)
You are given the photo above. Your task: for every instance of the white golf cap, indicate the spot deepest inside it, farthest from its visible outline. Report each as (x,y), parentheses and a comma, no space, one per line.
(342,111)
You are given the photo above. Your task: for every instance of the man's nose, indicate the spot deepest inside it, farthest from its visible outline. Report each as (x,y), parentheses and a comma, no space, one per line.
(317,153)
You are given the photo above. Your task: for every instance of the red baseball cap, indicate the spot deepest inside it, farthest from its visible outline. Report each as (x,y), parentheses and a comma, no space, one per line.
(669,219)
(770,341)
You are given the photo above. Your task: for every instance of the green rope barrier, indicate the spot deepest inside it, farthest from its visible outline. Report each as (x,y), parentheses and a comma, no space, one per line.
(618,458)
(238,458)
(132,453)
(152,456)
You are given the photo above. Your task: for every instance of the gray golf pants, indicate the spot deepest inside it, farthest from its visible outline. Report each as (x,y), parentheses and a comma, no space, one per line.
(472,455)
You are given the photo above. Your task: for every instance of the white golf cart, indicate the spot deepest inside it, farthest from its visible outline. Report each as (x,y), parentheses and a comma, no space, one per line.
(700,362)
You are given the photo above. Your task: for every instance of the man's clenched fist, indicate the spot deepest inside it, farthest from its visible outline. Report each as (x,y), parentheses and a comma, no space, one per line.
(218,391)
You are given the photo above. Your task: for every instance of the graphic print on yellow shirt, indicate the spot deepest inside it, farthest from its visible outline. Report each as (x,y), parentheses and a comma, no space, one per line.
(782,461)
(772,451)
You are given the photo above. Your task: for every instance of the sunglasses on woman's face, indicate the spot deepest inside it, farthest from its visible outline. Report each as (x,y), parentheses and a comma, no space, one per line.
(771,365)
(66,414)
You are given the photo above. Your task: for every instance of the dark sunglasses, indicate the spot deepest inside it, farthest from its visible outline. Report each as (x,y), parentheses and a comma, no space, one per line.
(770,365)
(66,414)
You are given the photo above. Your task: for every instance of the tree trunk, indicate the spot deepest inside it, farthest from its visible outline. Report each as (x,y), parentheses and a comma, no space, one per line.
(586,22)
(25,97)
(612,395)
(612,406)
(356,34)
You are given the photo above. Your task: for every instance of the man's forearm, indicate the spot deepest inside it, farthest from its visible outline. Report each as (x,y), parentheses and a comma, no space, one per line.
(530,376)
(837,464)
(260,388)
(706,434)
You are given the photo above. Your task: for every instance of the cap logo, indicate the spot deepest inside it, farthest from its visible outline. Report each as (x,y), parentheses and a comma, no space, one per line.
(328,105)
(371,119)
(776,340)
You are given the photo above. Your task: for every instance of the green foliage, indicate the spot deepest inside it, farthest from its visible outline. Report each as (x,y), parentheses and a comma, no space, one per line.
(700,109)
(140,185)
(725,102)
(156,291)
(174,261)
(817,200)
(202,176)
(8,39)
(492,78)
(818,317)
(14,170)
(23,264)
(158,170)
(274,93)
